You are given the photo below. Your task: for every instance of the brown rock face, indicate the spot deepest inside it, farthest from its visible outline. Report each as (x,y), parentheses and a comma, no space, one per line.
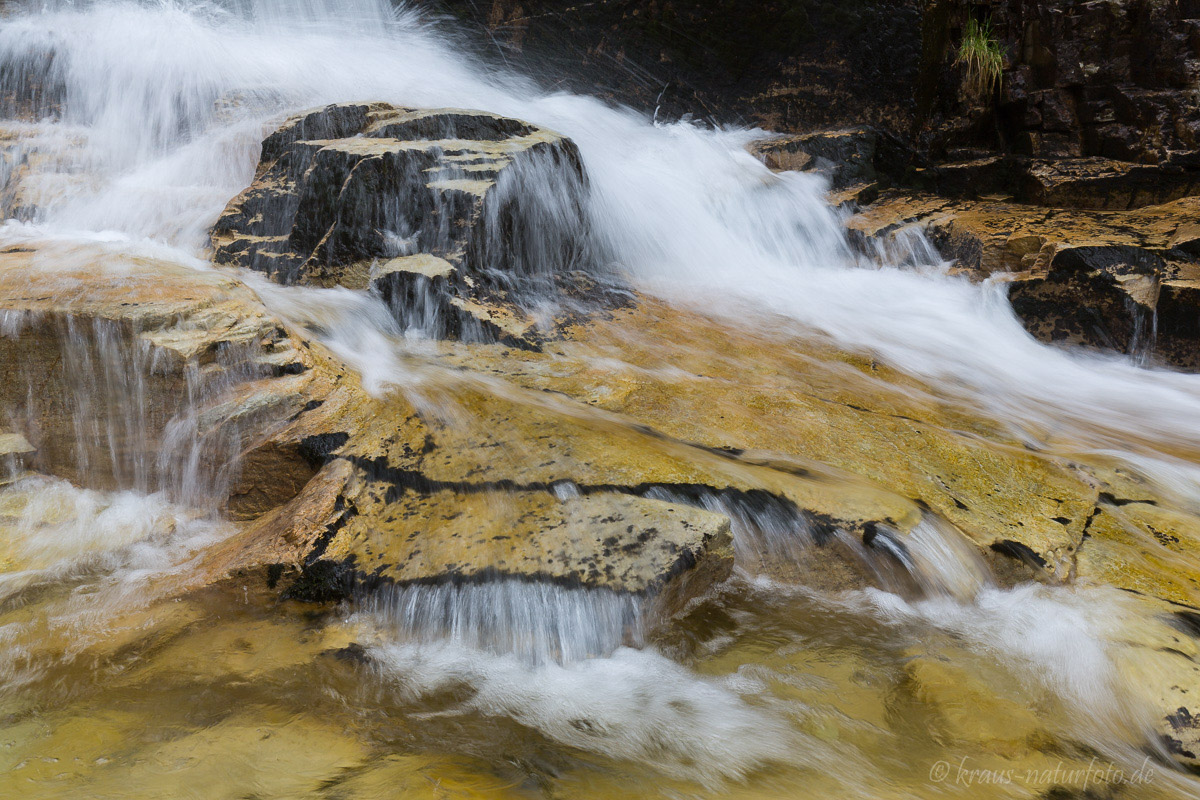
(1111,80)
(1096,105)
(1124,281)
(134,373)
(439,211)
(1090,183)
(1114,80)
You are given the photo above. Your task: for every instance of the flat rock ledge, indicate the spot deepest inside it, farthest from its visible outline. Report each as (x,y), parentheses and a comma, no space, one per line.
(302,456)
(379,534)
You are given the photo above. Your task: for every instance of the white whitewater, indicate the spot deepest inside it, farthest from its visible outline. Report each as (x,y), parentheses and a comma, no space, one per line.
(159,111)
(164,104)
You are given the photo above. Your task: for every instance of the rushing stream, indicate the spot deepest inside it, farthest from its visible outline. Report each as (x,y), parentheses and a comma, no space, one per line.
(119,680)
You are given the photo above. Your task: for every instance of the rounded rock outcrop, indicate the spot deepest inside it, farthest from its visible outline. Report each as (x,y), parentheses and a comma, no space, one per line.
(455,217)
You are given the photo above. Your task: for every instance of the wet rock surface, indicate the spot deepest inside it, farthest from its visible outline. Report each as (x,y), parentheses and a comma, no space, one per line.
(270,412)
(364,475)
(453,216)
(1123,281)
(627,479)
(242,550)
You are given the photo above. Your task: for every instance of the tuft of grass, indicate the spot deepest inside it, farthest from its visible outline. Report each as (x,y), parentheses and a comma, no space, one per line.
(980,57)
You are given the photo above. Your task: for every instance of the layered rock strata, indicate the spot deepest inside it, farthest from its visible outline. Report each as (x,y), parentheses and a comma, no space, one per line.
(454,217)
(1123,281)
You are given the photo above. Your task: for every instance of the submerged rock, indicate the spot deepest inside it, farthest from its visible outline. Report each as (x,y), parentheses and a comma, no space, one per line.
(455,217)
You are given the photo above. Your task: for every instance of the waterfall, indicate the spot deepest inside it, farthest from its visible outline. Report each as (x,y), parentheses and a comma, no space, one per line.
(165,105)
(162,106)
(133,124)
(542,623)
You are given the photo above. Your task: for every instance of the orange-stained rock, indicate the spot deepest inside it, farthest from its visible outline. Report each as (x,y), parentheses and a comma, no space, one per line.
(1119,280)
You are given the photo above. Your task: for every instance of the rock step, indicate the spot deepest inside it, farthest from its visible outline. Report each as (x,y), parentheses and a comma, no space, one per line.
(1120,280)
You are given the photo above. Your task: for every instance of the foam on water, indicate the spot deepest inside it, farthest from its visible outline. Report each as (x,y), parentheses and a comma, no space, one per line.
(635,705)
(57,524)
(1056,642)
(85,558)
(1054,635)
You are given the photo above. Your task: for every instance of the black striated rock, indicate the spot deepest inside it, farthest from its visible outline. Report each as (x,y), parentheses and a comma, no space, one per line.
(458,219)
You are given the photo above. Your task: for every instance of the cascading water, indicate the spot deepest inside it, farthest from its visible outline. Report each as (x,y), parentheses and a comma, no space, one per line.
(687,212)
(142,120)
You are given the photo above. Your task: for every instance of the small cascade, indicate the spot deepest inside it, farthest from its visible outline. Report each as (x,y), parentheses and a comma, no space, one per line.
(934,559)
(534,231)
(763,525)
(197,459)
(1143,336)
(538,622)
(906,247)
(529,248)
(104,375)
(942,562)
(97,381)
(138,419)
